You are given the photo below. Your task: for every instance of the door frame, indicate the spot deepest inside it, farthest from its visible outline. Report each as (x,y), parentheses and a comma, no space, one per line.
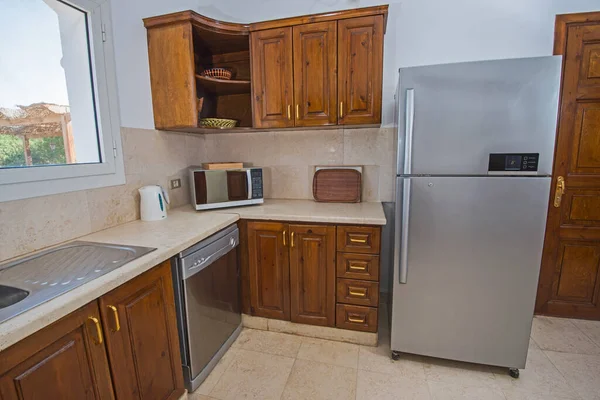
(548,264)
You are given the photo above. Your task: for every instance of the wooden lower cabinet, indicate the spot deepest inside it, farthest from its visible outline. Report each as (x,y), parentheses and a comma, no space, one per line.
(269,269)
(69,359)
(293,275)
(312,274)
(140,328)
(66,360)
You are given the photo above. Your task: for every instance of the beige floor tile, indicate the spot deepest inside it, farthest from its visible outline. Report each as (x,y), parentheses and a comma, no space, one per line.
(253,375)
(539,376)
(450,391)
(533,344)
(280,344)
(464,374)
(517,394)
(314,380)
(377,359)
(211,380)
(590,328)
(198,396)
(559,334)
(376,386)
(582,372)
(329,352)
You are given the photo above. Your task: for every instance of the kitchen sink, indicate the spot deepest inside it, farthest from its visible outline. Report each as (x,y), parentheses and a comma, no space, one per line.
(30,281)
(10,295)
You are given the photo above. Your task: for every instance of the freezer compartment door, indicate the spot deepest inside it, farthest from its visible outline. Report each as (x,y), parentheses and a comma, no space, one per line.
(472,248)
(452,116)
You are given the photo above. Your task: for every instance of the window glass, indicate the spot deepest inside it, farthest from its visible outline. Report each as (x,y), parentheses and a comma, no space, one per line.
(47,101)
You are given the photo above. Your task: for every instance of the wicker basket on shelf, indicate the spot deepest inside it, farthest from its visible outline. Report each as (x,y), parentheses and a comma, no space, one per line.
(217,123)
(217,73)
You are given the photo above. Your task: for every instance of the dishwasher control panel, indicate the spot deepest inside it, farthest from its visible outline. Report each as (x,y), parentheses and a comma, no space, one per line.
(516,163)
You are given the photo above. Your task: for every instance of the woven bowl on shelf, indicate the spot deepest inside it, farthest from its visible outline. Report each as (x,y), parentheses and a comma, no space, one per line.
(218,123)
(217,73)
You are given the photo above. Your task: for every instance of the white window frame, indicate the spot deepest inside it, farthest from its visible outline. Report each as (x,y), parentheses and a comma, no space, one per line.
(21,183)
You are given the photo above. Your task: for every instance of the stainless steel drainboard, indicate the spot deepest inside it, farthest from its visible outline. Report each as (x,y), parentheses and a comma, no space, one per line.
(30,281)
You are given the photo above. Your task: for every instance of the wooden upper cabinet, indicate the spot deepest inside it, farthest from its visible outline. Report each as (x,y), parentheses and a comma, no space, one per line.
(312,274)
(66,360)
(269,270)
(140,328)
(315,76)
(360,69)
(272,78)
(172,78)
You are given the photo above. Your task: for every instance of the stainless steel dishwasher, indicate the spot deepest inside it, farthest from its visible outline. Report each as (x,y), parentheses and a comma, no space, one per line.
(207,295)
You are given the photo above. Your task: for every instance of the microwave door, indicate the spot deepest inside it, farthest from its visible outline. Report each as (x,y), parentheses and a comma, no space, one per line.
(216,186)
(237,185)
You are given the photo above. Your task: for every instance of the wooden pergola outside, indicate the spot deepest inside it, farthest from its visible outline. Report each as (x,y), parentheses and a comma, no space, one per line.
(39,120)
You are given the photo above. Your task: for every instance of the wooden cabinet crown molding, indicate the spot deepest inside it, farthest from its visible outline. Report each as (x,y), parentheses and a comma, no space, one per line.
(231,28)
(323,17)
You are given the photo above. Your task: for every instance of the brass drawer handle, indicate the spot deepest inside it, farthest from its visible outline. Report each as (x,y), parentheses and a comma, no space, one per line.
(297,111)
(353,240)
(284,235)
(289,112)
(359,292)
(341,109)
(98,339)
(357,267)
(292,240)
(116,316)
(357,320)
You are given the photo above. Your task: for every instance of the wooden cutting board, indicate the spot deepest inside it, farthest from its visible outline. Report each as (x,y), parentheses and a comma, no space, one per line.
(223,165)
(337,185)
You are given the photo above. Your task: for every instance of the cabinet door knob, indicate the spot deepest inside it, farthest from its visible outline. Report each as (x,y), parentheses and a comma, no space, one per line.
(96,322)
(116,317)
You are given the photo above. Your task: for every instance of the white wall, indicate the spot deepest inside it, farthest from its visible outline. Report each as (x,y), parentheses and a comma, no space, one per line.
(419,32)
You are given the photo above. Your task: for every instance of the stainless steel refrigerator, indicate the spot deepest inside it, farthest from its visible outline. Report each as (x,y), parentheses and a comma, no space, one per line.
(475,152)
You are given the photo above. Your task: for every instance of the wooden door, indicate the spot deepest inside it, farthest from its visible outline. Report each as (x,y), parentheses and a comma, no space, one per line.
(269,269)
(315,79)
(360,70)
(140,327)
(66,360)
(569,284)
(272,78)
(312,274)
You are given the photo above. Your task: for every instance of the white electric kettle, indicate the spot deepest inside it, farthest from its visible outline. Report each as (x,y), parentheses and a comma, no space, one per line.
(153,203)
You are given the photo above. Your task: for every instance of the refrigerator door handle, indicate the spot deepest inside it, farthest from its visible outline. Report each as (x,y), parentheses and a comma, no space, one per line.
(404,230)
(409,130)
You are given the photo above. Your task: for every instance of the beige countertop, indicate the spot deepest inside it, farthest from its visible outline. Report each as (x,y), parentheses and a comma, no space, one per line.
(182,228)
(311,211)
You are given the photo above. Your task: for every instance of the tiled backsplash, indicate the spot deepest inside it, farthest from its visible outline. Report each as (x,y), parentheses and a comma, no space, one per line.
(290,157)
(151,157)
(154,157)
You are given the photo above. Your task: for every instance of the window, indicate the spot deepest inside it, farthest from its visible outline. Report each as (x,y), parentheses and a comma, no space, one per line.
(59,124)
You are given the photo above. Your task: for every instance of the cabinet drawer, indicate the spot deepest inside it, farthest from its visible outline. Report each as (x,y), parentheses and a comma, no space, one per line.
(358,266)
(360,293)
(358,239)
(356,318)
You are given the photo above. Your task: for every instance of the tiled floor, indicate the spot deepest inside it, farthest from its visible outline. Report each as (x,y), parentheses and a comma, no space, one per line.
(563,364)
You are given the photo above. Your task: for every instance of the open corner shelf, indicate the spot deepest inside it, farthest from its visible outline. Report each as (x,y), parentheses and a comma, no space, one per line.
(223,86)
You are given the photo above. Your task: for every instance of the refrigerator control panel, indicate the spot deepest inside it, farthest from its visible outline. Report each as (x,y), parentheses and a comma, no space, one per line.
(519,163)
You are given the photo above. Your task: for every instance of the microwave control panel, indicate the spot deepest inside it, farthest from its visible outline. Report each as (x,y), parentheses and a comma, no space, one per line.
(513,162)
(257,183)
